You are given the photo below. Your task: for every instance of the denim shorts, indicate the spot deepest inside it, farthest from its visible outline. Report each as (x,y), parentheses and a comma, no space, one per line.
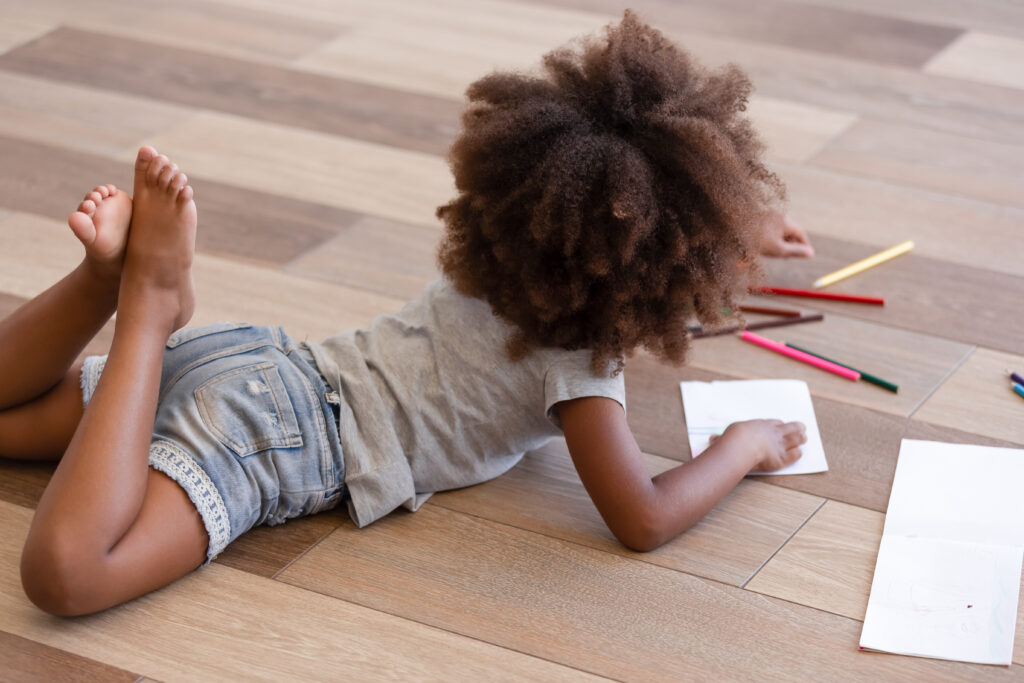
(246,425)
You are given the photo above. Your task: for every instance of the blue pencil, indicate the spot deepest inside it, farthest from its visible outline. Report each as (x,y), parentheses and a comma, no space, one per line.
(1018,388)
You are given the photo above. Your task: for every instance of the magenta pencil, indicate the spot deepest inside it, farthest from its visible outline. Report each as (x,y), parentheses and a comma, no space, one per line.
(801,356)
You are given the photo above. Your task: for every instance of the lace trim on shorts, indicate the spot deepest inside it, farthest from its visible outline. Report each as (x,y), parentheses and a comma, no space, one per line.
(172,460)
(92,368)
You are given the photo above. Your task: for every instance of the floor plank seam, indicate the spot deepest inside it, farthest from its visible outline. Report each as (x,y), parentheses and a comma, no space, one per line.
(783,544)
(302,554)
(945,379)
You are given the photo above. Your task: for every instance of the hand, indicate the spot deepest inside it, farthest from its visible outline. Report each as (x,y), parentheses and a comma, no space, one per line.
(772,444)
(782,238)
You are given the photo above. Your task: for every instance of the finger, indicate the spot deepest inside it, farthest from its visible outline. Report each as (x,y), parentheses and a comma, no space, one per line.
(791,231)
(794,439)
(795,250)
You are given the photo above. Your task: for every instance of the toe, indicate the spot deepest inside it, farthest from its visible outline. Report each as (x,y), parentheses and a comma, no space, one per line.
(156,166)
(186,194)
(178,183)
(145,156)
(95,196)
(82,226)
(102,191)
(164,181)
(88,207)
(111,189)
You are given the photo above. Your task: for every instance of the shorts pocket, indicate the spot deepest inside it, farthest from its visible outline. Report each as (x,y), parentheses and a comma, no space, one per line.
(190,333)
(248,409)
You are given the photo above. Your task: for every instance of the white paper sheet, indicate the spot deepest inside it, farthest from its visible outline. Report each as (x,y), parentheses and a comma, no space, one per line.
(710,407)
(948,573)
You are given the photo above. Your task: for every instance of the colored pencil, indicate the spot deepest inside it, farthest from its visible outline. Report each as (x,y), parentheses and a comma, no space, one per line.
(849,374)
(1018,388)
(768,310)
(698,331)
(864,264)
(877,381)
(1016,378)
(821,295)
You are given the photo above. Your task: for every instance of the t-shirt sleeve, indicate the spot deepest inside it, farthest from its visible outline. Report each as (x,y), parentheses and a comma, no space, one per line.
(569,376)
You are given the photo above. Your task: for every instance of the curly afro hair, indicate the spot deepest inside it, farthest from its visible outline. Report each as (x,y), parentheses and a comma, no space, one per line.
(604,204)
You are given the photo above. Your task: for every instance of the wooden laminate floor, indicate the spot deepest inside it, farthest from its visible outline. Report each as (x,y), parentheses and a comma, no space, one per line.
(314,132)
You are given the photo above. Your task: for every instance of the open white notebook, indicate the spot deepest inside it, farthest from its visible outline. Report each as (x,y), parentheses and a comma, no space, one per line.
(710,407)
(948,572)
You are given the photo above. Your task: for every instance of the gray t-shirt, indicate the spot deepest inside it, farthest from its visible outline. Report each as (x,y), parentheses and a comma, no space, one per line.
(432,401)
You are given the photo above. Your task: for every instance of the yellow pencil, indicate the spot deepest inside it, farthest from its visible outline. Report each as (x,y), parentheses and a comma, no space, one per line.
(870,261)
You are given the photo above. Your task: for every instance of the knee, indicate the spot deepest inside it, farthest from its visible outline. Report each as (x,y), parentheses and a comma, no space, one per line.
(55,577)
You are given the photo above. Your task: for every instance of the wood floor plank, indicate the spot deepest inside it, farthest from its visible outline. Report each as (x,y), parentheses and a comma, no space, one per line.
(263,92)
(861,445)
(35,252)
(375,254)
(1001,16)
(795,132)
(81,118)
(914,156)
(314,167)
(443,48)
(962,303)
(239,31)
(543,494)
(266,550)
(978,397)
(226,289)
(910,97)
(917,363)
(865,37)
(878,214)
(22,482)
(27,661)
(830,562)
(16,31)
(417,61)
(233,221)
(981,57)
(231,622)
(586,608)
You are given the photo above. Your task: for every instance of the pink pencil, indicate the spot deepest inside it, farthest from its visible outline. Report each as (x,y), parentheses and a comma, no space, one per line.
(800,355)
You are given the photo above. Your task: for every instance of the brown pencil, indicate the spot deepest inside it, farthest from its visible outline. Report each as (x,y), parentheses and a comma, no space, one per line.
(698,331)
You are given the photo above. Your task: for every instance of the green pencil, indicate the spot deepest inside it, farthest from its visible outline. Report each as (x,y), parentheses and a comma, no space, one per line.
(863,375)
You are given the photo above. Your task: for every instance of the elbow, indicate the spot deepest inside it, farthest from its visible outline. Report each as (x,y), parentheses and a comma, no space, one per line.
(645,531)
(51,578)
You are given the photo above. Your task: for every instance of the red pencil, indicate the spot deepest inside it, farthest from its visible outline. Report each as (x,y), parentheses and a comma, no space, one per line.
(819,295)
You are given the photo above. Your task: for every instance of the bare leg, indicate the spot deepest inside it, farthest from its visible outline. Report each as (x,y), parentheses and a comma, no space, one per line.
(40,340)
(108,528)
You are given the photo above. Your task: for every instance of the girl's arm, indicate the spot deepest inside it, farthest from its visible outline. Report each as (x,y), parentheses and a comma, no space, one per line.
(644,512)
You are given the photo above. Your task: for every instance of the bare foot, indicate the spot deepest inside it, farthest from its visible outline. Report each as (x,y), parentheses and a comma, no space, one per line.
(101,223)
(162,239)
